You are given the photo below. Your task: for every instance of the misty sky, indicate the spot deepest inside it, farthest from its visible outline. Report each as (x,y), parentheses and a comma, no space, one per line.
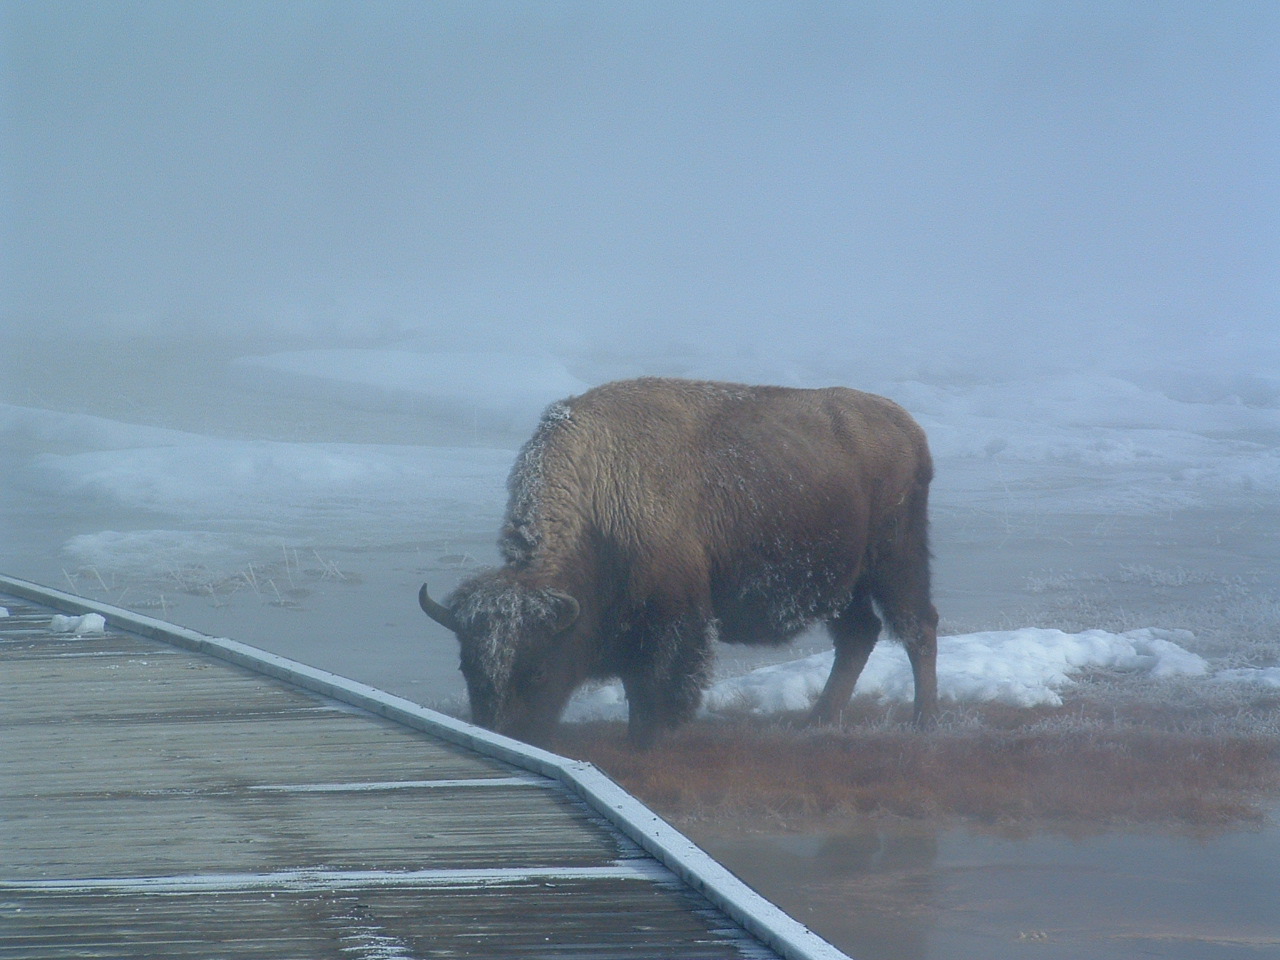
(1057,177)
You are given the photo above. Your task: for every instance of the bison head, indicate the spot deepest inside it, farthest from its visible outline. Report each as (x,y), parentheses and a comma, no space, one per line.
(519,671)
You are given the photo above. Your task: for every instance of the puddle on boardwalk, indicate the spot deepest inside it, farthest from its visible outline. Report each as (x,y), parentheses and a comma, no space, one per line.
(915,894)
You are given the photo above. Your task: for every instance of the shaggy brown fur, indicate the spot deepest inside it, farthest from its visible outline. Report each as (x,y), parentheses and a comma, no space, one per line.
(649,517)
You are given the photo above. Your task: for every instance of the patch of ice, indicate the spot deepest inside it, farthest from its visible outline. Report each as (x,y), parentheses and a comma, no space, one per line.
(88,623)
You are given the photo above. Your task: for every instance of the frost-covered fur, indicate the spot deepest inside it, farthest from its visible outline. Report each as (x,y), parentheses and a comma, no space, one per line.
(499,612)
(526,485)
(674,511)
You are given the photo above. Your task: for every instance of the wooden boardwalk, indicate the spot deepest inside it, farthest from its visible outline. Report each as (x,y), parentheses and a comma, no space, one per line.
(165,794)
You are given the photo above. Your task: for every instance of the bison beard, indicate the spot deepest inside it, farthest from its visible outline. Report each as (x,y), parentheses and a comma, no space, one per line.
(648,518)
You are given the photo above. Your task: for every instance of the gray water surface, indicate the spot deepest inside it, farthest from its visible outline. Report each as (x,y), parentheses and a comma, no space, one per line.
(912,893)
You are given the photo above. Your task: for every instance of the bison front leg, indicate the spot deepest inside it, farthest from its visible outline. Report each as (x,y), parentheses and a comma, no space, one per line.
(664,686)
(643,714)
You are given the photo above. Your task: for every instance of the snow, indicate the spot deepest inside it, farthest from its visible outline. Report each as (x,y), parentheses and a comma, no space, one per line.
(88,623)
(235,498)
(1114,430)
(1108,441)
(1027,668)
(142,501)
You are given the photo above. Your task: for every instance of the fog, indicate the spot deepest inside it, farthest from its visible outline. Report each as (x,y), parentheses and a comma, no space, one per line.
(1043,183)
(283,286)
(342,254)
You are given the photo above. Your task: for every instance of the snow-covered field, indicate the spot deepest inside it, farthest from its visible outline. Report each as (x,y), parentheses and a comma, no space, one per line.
(295,499)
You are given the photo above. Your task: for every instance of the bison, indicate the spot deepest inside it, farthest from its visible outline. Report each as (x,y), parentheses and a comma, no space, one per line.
(648,518)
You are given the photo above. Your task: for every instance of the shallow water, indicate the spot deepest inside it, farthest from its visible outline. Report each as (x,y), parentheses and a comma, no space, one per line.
(912,893)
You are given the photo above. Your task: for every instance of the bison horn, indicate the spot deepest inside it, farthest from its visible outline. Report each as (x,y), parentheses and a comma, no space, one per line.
(436,611)
(568,610)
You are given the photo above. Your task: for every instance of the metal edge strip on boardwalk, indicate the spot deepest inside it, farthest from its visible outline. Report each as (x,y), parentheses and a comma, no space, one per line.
(776,928)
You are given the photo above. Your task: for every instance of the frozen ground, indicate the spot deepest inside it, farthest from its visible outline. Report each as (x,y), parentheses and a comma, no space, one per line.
(1086,522)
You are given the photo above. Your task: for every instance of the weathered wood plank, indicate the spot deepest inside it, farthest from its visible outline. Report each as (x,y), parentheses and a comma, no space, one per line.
(61,689)
(168,754)
(242,831)
(27,639)
(147,784)
(592,920)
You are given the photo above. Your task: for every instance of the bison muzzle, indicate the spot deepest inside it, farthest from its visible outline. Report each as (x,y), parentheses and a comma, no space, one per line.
(648,518)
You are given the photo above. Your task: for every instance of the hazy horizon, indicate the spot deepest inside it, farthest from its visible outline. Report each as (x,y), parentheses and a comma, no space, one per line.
(1046,183)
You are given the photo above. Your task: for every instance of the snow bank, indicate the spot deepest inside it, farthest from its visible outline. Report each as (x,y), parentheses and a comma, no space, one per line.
(1089,442)
(1027,667)
(1090,400)
(235,497)
(1155,449)
(89,623)
(1079,442)
(1175,432)
(220,500)
(238,478)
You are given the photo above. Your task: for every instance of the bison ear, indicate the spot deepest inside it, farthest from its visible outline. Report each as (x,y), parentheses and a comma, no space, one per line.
(437,611)
(567,610)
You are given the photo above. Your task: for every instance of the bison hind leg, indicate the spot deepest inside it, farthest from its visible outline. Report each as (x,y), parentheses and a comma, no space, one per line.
(854,633)
(919,634)
(914,621)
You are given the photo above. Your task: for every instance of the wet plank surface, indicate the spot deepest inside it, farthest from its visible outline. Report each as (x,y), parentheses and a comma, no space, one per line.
(155,802)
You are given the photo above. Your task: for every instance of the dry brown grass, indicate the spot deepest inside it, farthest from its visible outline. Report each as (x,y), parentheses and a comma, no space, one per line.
(1031,768)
